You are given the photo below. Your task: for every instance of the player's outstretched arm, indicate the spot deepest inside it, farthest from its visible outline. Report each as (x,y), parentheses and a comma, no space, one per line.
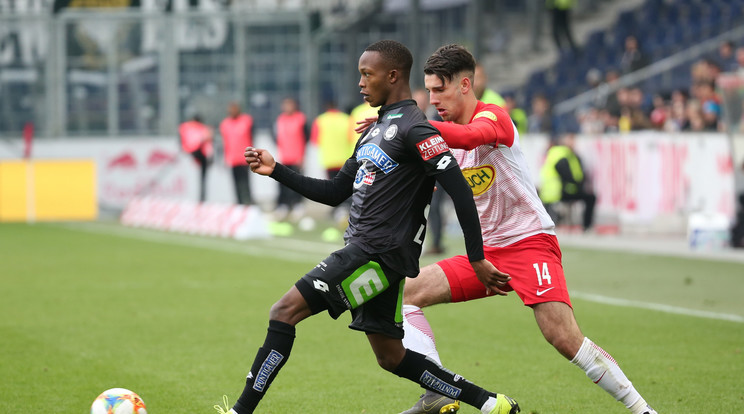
(331,192)
(482,131)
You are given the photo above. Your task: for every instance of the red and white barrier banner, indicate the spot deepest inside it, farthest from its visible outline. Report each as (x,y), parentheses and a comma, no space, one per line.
(206,219)
(647,176)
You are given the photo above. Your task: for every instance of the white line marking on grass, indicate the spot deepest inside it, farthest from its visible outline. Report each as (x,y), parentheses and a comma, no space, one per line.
(657,307)
(283,249)
(305,251)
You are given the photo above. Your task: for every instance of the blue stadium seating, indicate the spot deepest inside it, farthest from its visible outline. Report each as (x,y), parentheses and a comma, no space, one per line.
(662,27)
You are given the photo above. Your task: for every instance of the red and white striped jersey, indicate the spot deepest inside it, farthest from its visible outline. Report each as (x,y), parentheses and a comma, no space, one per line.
(492,162)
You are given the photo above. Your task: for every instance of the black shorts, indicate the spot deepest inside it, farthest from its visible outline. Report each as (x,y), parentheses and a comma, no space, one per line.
(351,279)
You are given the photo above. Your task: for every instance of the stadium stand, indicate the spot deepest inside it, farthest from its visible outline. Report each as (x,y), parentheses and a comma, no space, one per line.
(663,29)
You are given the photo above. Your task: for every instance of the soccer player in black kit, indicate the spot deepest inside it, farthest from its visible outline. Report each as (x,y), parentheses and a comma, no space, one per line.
(390,177)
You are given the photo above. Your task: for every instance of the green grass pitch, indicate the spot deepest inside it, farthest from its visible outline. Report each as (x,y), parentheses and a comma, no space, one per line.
(177,319)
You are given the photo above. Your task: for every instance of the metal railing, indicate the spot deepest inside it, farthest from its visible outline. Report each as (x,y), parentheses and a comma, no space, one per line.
(142,71)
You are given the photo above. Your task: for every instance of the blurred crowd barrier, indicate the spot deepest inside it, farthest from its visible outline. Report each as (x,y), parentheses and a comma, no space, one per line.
(644,182)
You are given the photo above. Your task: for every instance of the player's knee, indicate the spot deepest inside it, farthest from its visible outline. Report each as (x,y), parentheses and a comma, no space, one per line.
(564,342)
(413,297)
(388,362)
(283,310)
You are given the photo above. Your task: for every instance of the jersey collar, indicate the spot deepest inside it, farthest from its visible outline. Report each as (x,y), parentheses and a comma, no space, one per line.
(394,105)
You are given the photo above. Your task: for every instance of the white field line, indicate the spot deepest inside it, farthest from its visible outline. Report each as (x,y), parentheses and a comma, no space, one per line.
(657,307)
(304,251)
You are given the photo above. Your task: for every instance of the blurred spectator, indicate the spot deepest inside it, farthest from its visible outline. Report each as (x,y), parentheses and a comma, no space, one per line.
(710,105)
(636,103)
(632,115)
(660,112)
(726,57)
(518,115)
(610,103)
(609,120)
(330,133)
(291,137)
(196,139)
(481,89)
(560,12)
(705,70)
(422,100)
(564,180)
(633,57)
(694,113)
(436,220)
(540,120)
(677,120)
(591,121)
(237,134)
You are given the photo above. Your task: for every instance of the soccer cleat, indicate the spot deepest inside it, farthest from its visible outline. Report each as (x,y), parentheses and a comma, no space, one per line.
(649,410)
(433,403)
(505,405)
(224,410)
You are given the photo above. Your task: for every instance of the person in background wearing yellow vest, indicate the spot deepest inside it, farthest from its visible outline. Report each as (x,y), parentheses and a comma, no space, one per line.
(359,114)
(481,89)
(560,12)
(330,133)
(563,178)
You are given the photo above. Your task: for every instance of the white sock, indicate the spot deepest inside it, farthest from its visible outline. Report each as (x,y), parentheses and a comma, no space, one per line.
(418,334)
(602,369)
(488,405)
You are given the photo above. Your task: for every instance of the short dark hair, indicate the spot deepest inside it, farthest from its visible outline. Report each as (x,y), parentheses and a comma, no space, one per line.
(448,61)
(395,54)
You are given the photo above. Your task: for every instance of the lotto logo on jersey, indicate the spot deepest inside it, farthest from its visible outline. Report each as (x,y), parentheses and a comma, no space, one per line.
(480,178)
(431,147)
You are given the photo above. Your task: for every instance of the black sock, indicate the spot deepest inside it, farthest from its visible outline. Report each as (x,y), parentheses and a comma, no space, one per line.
(270,358)
(431,376)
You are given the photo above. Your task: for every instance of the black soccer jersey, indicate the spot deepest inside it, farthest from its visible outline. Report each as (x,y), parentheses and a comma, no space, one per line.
(394,166)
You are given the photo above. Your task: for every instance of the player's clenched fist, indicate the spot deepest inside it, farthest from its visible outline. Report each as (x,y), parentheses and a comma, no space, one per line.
(259,160)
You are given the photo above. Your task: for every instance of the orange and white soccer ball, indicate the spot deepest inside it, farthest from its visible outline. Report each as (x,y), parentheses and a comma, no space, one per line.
(118,401)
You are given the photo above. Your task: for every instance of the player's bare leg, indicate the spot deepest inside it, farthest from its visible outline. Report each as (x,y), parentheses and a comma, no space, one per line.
(558,325)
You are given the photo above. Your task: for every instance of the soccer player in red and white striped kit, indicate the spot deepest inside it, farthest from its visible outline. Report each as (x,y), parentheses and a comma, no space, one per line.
(518,234)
